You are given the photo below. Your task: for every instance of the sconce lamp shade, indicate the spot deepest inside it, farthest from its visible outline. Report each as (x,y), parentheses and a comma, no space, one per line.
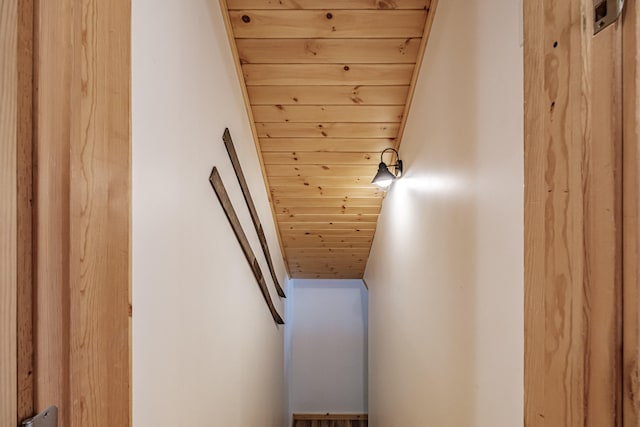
(385,177)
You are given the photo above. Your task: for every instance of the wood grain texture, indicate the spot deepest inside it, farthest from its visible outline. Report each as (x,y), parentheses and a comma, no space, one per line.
(100,214)
(83,211)
(336,51)
(327,130)
(304,226)
(327,145)
(333,218)
(328,95)
(319,181)
(327,86)
(223,197)
(321,170)
(323,192)
(323,24)
(327,74)
(602,185)
(25,209)
(328,4)
(233,156)
(319,113)
(8,211)
(572,218)
(631,216)
(52,120)
(306,158)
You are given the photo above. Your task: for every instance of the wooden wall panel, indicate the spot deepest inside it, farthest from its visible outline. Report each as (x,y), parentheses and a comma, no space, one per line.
(83,211)
(53,116)
(100,226)
(25,209)
(572,217)
(8,211)
(631,216)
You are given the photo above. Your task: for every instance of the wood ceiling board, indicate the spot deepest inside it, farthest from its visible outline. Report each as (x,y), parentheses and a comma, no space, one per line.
(326,91)
(327,74)
(327,130)
(323,158)
(324,145)
(347,253)
(328,245)
(319,181)
(328,210)
(295,257)
(326,233)
(328,264)
(322,252)
(342,203)
(322,170)
(328,4)
(329,240)
(308,191)
(328,95)
(284,226)
(335,24)
(328,51)
(328,113)
(337,217)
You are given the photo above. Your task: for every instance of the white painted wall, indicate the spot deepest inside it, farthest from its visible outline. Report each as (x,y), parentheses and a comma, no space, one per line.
(327,369)
(206,351)
(446,269)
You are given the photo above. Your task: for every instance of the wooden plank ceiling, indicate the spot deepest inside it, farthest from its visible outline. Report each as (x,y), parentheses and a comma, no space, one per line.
(327,84)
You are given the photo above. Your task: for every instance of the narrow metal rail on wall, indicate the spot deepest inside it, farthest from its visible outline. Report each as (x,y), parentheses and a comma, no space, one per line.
(605,13)
(228,143)
(223,197)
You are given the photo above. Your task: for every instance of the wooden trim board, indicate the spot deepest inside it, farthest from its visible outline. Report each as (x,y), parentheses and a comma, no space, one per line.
(631,215)
(223,197)
(8,211)
(25,209)
(82,219)
(572,217)
(231,150)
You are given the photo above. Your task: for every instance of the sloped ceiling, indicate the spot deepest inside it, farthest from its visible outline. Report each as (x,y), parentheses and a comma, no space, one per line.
(328,84)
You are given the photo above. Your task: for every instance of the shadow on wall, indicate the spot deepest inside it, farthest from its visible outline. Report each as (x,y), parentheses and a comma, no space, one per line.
(422,268)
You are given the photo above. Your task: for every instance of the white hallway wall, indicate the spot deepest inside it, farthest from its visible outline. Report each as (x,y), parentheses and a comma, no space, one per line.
(205,349)
(327,367)
(446,269)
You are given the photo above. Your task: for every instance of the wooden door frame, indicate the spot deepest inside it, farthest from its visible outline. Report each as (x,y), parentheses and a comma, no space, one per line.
(631,215)
(65,186)
(582,178)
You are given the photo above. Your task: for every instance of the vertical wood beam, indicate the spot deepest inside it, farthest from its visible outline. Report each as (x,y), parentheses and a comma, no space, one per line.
(8,211)
(25,209)
(631,214)
(53,117)
(83,211)
(572,217)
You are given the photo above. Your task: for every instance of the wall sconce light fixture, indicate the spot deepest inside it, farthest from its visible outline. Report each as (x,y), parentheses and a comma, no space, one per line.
(385,177)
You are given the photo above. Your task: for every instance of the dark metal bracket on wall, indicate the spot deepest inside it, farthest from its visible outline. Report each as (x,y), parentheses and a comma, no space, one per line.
(228,143)
(223,197)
